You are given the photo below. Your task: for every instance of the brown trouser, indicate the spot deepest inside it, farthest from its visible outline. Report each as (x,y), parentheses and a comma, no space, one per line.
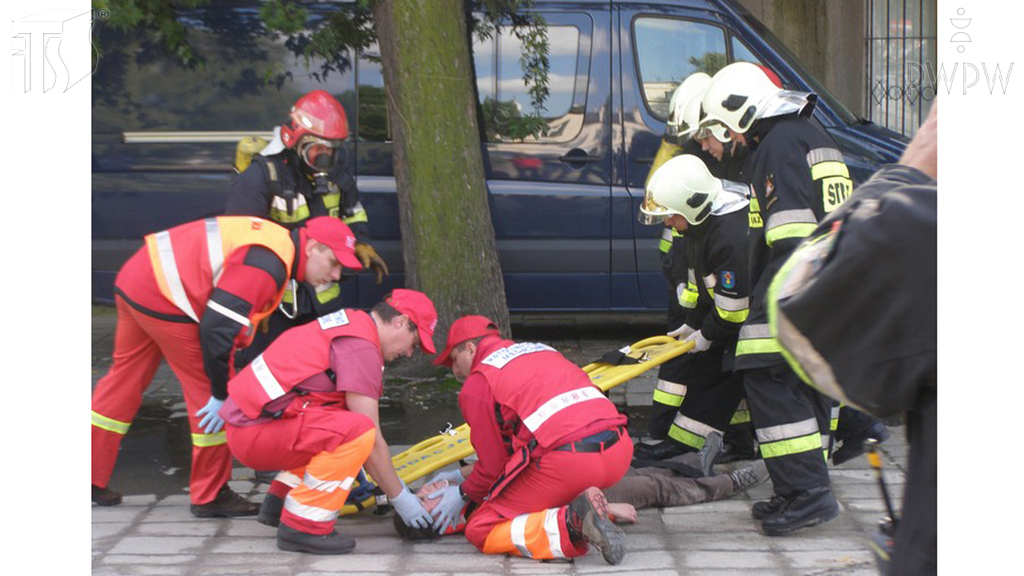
(650,487)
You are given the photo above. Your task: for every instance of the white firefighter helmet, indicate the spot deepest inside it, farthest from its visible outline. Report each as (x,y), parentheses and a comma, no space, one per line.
(682,185)
(690,90)
(743,92)
(691,116)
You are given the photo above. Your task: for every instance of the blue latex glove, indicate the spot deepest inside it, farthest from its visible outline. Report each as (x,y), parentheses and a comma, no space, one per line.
(408,506)
(454,477)
(448,510)
(211,423)
(361,492)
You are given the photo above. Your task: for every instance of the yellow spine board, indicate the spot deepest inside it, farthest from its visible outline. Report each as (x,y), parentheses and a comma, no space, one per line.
(441,450)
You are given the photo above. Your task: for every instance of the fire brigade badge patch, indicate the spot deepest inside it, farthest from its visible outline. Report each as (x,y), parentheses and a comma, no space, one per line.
(769,185)
(728,280)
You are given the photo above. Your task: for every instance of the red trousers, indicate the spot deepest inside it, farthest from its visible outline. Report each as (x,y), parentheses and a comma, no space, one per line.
(140,341)
(320,452)
(527,517)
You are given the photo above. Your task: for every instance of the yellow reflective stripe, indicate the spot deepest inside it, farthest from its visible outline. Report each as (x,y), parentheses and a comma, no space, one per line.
(740,417)
(791,446)
(784,231)
(826,169)
(332,200)
(685,437)
(207,440)
(737,316)
(109,424)
(329,294)
(664,245)
(758,346)
(299,214)
(357,217)
(667,399)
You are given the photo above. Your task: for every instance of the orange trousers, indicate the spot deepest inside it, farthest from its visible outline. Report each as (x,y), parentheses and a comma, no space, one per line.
(140,342)
(320,451)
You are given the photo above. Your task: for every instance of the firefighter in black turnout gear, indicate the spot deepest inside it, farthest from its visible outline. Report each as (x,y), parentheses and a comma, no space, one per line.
(884,359)
(713,148)
(302,174)
(713,213)
(798,176)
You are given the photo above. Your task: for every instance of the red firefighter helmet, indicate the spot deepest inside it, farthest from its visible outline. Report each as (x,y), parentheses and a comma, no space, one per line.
(318,114)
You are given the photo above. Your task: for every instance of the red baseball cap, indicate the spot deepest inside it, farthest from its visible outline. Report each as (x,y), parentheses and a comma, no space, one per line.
(418,307)
(337,236)
(465,328)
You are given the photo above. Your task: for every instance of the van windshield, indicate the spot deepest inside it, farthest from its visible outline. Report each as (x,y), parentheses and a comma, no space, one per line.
(817,87)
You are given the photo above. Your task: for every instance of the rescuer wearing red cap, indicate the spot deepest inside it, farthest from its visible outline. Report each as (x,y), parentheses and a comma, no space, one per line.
(192,296)
(308,405)
(547,441)
(303,173)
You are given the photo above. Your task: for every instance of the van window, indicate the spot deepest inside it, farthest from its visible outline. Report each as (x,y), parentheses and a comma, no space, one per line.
(373,108)
(740,53)
(503,94)
(668,50)
(249,79)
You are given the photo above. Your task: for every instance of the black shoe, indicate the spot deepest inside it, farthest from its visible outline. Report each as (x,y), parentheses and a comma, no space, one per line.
(744,478)
(227,504)
(802,510)
(105,496)
(766,508)
(709,453)
(854,446)
(270,510)
(660,451)
(291,540)
(587,519)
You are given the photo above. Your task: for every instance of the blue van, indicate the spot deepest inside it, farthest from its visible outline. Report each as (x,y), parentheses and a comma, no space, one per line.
(563,205)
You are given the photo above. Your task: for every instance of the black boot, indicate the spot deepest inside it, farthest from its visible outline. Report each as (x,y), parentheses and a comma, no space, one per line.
(291,540)
(227,504)
(802,510)
(766,508)
(270,510)
(105,496)
(660,451)
(587,519)
(853,445)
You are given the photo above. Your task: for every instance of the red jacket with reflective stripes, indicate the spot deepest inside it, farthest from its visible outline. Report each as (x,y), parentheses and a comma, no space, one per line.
(296,355)
(188,259)
(541,394)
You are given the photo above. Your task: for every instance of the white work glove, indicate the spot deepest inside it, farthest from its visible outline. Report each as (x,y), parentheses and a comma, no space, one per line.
(449,509)
(453,477)
(700,343)
(681,333)
(409,507)
(211,422)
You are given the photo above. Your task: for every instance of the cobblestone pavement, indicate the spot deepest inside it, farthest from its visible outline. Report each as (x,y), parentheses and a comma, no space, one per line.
(150,534)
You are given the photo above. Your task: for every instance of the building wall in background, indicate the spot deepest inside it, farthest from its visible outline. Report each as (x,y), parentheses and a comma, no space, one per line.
(876,56)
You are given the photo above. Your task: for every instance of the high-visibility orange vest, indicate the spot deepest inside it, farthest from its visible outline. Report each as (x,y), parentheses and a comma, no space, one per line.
(188,260)
(296,355)
(551,396)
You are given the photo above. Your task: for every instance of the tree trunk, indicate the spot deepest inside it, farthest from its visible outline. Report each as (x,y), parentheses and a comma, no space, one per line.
(447,233)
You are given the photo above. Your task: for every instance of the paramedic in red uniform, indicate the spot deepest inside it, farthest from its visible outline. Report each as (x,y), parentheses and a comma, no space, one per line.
(308,405)
(193,295)
(547,441)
